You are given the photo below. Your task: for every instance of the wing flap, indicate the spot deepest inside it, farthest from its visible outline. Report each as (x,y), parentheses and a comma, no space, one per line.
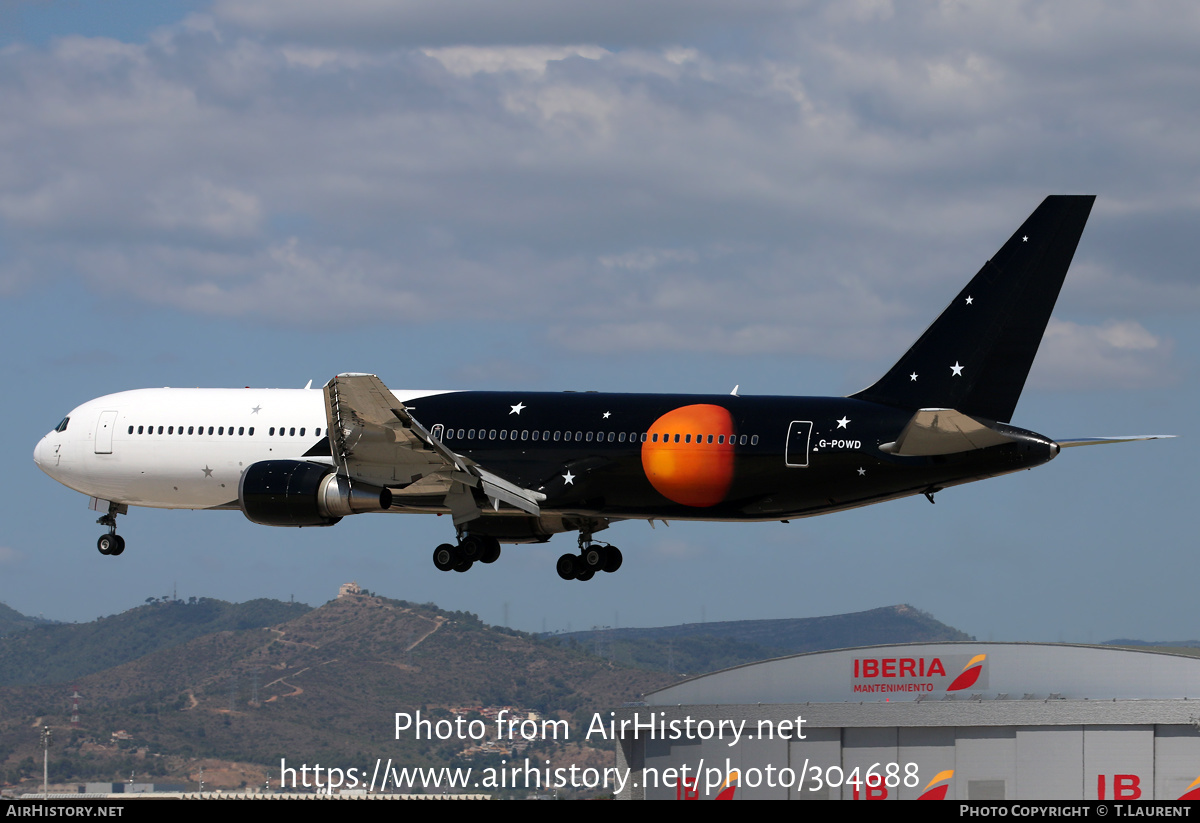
(375,438)
(498,489)
(369,425)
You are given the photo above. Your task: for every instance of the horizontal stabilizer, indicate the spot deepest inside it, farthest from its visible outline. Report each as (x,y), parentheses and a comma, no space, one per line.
(943,431)
(1099,441)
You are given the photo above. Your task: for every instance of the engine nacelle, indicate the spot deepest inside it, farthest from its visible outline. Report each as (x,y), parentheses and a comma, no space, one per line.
(298,493)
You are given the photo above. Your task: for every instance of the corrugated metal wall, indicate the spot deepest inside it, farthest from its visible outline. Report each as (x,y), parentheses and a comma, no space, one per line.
(1113,762)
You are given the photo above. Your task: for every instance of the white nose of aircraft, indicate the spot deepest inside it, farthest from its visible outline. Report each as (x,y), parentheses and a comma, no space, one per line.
(45,454)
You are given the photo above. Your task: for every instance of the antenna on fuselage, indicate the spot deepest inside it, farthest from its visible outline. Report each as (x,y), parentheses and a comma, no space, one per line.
(308,385)
(735,388)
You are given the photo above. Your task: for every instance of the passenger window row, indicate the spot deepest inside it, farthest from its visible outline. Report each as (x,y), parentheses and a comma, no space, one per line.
(220,430)
(598,437)
(291,432)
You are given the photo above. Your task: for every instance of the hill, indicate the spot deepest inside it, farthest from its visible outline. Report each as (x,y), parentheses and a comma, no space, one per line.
(322,686)
(12,621)
(65,652)
(696,648)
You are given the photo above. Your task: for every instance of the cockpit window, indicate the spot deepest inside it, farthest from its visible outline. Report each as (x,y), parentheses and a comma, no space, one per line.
(62,427)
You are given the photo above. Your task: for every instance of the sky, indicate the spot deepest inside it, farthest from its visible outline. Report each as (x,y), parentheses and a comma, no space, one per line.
(624,196)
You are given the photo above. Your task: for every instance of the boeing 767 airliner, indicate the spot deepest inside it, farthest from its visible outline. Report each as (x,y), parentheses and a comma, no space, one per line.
(519,467)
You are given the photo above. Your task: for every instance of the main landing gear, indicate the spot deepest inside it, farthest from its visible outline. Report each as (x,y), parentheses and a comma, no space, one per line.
(462,557)
(592,558)
(112,543)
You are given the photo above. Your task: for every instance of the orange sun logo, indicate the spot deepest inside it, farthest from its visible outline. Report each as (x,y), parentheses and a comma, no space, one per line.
(682,464)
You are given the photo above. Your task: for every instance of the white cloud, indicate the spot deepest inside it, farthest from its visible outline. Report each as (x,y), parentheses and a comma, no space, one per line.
(648,259)
(516,22)
(464,61)
(801,179)
(220,211)
(1114,354)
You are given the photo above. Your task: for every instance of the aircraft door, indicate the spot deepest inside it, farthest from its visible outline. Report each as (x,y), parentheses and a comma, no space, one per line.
(796,452)
(104,432)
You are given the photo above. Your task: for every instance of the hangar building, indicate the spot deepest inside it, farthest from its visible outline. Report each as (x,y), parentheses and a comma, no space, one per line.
(954,721)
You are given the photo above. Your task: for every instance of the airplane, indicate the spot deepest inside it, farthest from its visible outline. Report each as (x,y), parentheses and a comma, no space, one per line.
(520,467)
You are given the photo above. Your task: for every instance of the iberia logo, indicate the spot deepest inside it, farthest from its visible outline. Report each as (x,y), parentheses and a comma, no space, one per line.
(1192,792)
(731,784)
(936,789)
(689,787)
(970,674)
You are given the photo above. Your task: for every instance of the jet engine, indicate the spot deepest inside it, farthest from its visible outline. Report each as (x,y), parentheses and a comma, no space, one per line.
(298,493)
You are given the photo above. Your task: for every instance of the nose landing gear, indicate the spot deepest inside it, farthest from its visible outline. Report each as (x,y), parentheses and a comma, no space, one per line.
(111,544)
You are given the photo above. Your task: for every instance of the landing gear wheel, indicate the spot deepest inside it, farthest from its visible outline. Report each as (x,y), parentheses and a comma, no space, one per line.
(445,557)
(472,548)
(566,566)
(612,559)
(110,544)
(585,575)
(491,551)
(593,558)
(464,565)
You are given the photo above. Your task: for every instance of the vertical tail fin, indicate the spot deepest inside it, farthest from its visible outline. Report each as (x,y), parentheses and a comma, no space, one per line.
(976,355)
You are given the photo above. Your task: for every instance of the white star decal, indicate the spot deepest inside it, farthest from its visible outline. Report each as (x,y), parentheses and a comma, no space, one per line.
(517,409)
(956,369)
(256,410)
(607,415)
(843,422)
(1025,239)
(913,377)
(970,300)
(862,472)
(569,478)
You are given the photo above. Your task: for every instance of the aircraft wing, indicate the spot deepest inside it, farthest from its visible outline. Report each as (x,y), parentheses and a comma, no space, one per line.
(375,439)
